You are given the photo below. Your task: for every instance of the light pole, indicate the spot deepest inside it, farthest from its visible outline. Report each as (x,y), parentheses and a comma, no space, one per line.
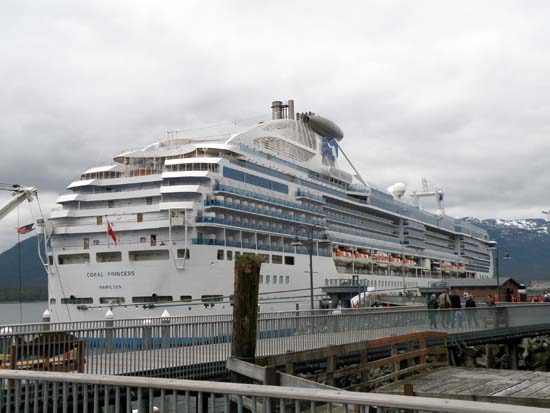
(309,241)
(507,256)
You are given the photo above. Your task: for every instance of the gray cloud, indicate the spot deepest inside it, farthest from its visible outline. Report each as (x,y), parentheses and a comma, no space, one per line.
(456,92)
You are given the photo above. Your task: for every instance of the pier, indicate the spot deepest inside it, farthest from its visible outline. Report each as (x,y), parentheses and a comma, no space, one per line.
(198,347)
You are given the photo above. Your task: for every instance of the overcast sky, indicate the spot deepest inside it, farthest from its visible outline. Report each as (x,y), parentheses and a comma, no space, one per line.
(458,92)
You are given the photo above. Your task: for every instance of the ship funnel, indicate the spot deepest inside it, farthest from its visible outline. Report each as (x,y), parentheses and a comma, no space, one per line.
(291,109)
(277,109)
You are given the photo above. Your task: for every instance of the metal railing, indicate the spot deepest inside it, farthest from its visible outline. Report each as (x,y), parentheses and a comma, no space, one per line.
(43,391)
(197,346)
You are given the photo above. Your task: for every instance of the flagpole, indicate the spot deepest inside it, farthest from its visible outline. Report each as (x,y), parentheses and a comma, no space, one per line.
(19,265)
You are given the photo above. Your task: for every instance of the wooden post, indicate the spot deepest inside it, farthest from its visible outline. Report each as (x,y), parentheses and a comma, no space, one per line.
(331,367)
(245,309)
(513,355)
(365,372)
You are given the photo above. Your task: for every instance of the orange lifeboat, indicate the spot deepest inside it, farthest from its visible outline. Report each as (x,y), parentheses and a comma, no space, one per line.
(342,256)
(381,259)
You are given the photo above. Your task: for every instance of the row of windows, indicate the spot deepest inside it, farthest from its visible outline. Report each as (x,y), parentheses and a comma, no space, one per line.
(377,283)
(207,298)
(116,256)
(254,180)
(272,279)
(275,259)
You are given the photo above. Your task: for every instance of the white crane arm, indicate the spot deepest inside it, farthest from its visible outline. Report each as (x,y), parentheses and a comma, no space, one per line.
(20,194)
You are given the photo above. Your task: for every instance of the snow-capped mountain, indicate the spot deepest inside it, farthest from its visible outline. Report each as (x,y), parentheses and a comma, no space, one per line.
(527,241)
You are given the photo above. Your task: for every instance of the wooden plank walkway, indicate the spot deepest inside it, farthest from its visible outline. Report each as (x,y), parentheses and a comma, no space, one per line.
(519,387)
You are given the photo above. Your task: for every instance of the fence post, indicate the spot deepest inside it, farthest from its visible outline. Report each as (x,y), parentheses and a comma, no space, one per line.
(165,320)
(46,318)
(109,333)
(147,333)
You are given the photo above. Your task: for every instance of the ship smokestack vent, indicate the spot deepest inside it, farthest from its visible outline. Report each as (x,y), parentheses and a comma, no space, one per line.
(277,109)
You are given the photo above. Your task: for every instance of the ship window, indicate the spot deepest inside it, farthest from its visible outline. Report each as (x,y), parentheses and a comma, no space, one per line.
(276,259)
(211,298)
(229,255)
(289,260)
(265,257)
(152,298)
(280,279)
(186,298)
(149,201)
(143,239)
(153,240)
(50,259)
(86,243)
(99,220)
(220,254)
(274,279)
(261,279)
(111,204)
(140,217)
(111,256)
(111,300)
(184,253)
(287,279)
(77,300)
(95,242)
(158,255)
(267,278)
(65,259)
(52,300)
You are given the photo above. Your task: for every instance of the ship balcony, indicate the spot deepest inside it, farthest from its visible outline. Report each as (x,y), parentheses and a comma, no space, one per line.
(360,214)
(107,196)
(176,189)
(207,221)
(262,212)
(309,196)
(267,199)
(362,225)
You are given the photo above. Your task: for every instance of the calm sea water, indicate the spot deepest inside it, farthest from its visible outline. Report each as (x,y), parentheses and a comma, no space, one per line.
(32,312)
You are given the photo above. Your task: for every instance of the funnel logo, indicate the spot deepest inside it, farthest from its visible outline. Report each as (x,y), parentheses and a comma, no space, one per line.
(330,149)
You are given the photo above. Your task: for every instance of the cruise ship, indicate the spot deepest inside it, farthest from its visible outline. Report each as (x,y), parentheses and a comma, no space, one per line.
(159,228)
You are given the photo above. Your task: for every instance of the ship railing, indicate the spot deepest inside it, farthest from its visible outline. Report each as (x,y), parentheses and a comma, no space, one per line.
(201,344)
(263,211)
(241,224)
(361,214)
(369,226)
(277,201)
(24,390)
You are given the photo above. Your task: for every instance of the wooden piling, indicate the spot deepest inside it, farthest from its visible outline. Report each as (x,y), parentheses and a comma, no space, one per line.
(245,308)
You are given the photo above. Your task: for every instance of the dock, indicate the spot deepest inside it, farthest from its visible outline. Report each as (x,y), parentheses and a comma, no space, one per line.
(523,388)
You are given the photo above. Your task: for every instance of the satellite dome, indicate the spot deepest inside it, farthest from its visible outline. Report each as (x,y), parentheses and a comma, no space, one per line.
(398,189)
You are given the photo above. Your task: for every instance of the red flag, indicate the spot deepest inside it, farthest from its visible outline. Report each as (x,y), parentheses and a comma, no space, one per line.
(25,229)
(111,232)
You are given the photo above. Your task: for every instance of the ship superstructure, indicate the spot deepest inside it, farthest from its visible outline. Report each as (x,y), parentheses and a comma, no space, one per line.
(183,209)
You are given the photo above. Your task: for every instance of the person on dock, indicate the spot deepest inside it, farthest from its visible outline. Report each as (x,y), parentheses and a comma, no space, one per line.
(456,312)
(471,312)
(490,301)
(432,313)
(444,303)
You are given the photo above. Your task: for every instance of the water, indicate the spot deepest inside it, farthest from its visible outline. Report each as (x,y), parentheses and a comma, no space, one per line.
(32,312)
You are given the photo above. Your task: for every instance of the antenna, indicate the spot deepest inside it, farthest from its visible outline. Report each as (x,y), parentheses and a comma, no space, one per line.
(429,191)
